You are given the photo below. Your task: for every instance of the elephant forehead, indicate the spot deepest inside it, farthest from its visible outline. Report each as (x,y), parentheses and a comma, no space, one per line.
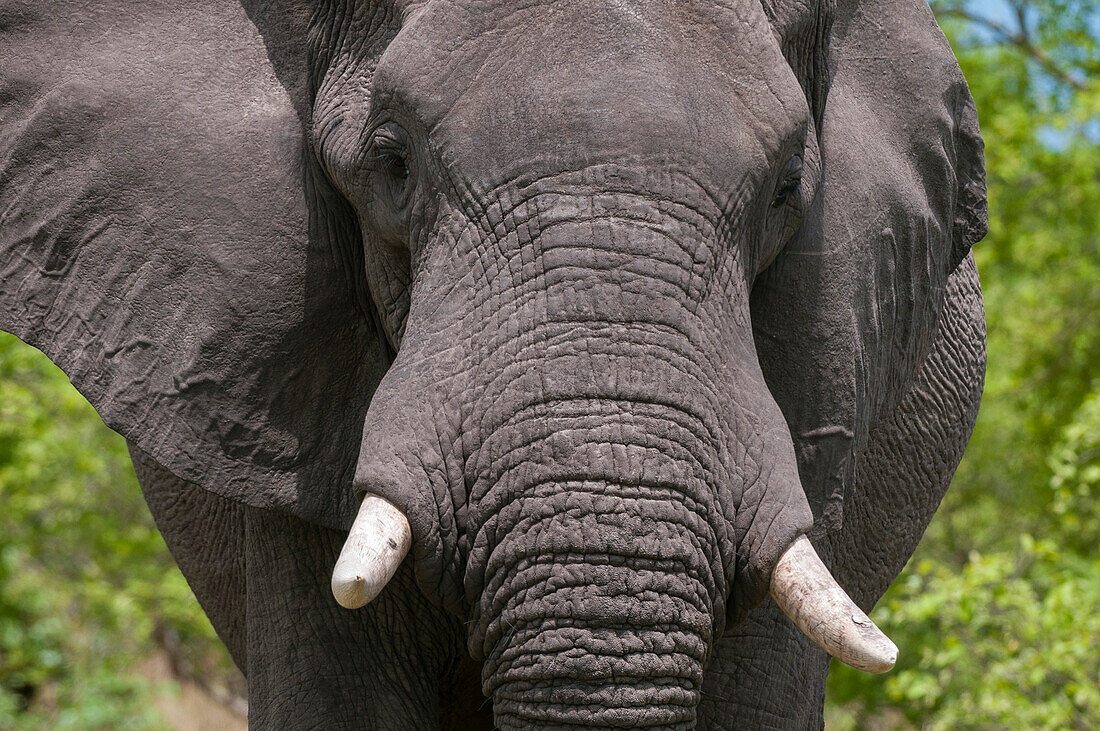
(569,84)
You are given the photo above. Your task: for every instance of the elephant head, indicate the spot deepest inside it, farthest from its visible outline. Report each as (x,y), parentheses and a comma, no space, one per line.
(580,304)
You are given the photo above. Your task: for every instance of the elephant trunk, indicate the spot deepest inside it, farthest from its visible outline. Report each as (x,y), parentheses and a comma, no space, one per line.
(589,642)
(596,577)
(597,603)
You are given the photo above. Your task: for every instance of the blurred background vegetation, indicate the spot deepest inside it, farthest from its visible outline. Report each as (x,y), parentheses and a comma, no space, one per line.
(997,614)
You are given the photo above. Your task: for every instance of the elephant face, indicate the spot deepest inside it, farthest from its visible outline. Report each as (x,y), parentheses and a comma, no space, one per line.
(594,301)
(562,251)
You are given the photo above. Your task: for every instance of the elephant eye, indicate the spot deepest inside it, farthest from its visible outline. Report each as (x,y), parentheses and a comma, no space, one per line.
(388,158)
(394,164)
(789,181)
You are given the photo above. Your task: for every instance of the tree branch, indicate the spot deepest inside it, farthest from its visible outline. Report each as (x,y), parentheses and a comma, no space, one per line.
(1021,39)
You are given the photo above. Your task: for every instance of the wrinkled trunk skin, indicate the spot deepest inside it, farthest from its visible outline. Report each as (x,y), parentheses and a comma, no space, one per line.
(598,594)
(596,563)
(627,482)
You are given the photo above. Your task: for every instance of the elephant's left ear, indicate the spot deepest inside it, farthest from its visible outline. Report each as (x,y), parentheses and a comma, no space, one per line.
(845,315)
(897,101)
(971,213)
(166,239)
(881,77)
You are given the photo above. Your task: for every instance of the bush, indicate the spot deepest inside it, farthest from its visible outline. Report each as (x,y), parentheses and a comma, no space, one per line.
(86,582)
(1012,640)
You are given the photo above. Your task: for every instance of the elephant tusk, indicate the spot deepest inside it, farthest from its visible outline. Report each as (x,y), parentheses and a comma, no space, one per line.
(376,546)
(808,594)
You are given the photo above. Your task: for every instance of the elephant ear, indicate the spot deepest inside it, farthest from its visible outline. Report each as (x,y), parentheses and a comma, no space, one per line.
(895,84)
(844,316)
(166,239)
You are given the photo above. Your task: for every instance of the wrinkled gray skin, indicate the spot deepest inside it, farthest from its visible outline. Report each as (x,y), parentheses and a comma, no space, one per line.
(613,300)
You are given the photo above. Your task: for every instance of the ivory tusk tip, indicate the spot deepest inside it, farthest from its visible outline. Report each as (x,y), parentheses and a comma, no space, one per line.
(376,545)
(886,662)
(350,591)
(805,590)
(875,654)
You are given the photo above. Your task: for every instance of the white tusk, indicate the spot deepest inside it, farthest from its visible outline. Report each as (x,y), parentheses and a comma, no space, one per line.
(806,591)
(376,546)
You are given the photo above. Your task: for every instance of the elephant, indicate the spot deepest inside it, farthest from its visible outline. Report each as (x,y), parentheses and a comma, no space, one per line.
(607,359)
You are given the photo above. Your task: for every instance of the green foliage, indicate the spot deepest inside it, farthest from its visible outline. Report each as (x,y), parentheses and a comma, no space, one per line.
(998,629)
(1040,267)
(1009,640)
(86,583)
(1075,469)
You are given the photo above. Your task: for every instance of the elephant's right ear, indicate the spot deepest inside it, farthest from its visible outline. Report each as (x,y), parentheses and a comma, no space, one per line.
(166,239)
